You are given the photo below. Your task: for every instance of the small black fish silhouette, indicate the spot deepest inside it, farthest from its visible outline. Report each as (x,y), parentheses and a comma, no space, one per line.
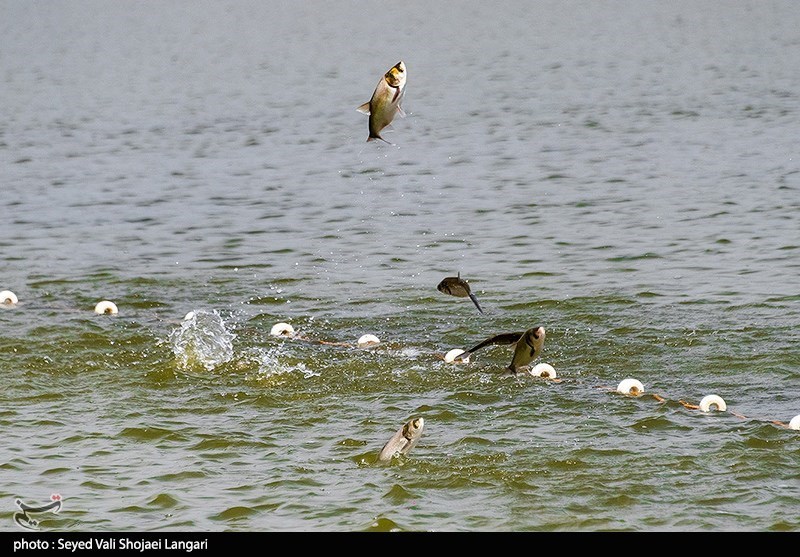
(456,286)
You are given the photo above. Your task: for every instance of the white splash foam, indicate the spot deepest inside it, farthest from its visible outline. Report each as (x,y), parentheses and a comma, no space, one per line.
(202,339)
(273,363)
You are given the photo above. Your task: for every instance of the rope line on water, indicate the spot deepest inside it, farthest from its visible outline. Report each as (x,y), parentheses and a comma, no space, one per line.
(629,386)
(709,403)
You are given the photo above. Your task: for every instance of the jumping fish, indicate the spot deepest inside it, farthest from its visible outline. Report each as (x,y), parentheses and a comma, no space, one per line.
(528,346)
(402,441)
(385,102)
(456,286)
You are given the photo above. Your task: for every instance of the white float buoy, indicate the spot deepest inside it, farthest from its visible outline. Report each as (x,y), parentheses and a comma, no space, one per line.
(712,400)
(106,307)
(543,370)
(795,422)
(282,330)
(630,387)
(451,356)
(368,340)
(8,298)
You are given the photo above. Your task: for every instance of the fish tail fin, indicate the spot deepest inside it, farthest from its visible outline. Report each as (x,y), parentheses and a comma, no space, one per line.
(377,137)
(475,301)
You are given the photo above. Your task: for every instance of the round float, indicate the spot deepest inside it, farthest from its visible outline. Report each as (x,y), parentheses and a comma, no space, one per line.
(282,330)
(713,400)
(368,340)
(544,370)
(630,387)
(451,356)
(106,307)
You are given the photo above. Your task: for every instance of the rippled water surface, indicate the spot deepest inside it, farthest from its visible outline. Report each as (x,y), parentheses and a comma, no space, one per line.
(625,174)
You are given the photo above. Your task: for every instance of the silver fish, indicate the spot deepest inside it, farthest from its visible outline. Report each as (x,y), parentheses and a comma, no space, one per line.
(456,286)
(385,102)
(528,346)
(402,441)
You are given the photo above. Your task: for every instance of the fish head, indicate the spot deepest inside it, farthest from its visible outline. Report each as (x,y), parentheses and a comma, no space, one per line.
(413,428)
(534,338)
(412,432)
(396,76)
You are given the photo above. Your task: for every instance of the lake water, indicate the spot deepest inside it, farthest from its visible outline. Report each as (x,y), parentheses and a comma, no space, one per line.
(625,174)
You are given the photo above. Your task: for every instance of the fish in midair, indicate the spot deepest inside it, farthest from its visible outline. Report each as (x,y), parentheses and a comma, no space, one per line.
(403,440)
(456,286)
(528,346)
(385,102)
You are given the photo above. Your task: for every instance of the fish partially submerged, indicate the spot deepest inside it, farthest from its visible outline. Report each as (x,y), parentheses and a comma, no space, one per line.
(456,286)
(385,102)
(528,346)
(403,440)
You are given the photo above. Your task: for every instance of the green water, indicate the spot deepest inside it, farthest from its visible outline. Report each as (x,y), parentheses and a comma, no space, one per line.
(625,177)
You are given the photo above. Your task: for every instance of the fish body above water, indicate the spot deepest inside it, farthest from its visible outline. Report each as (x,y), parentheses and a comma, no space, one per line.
(403,440)
(456,286)
(528,346)
(385,102)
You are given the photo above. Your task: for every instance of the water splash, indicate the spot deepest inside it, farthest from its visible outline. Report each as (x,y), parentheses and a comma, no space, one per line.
(203,339)
(273,363)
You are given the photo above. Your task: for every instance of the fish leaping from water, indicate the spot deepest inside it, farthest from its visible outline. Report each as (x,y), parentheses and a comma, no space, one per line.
(528,347)
(385,102)
(403,440)
(456,286)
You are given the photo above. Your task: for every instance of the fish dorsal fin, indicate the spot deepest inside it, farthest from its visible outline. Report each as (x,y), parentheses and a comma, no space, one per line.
(364,108)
